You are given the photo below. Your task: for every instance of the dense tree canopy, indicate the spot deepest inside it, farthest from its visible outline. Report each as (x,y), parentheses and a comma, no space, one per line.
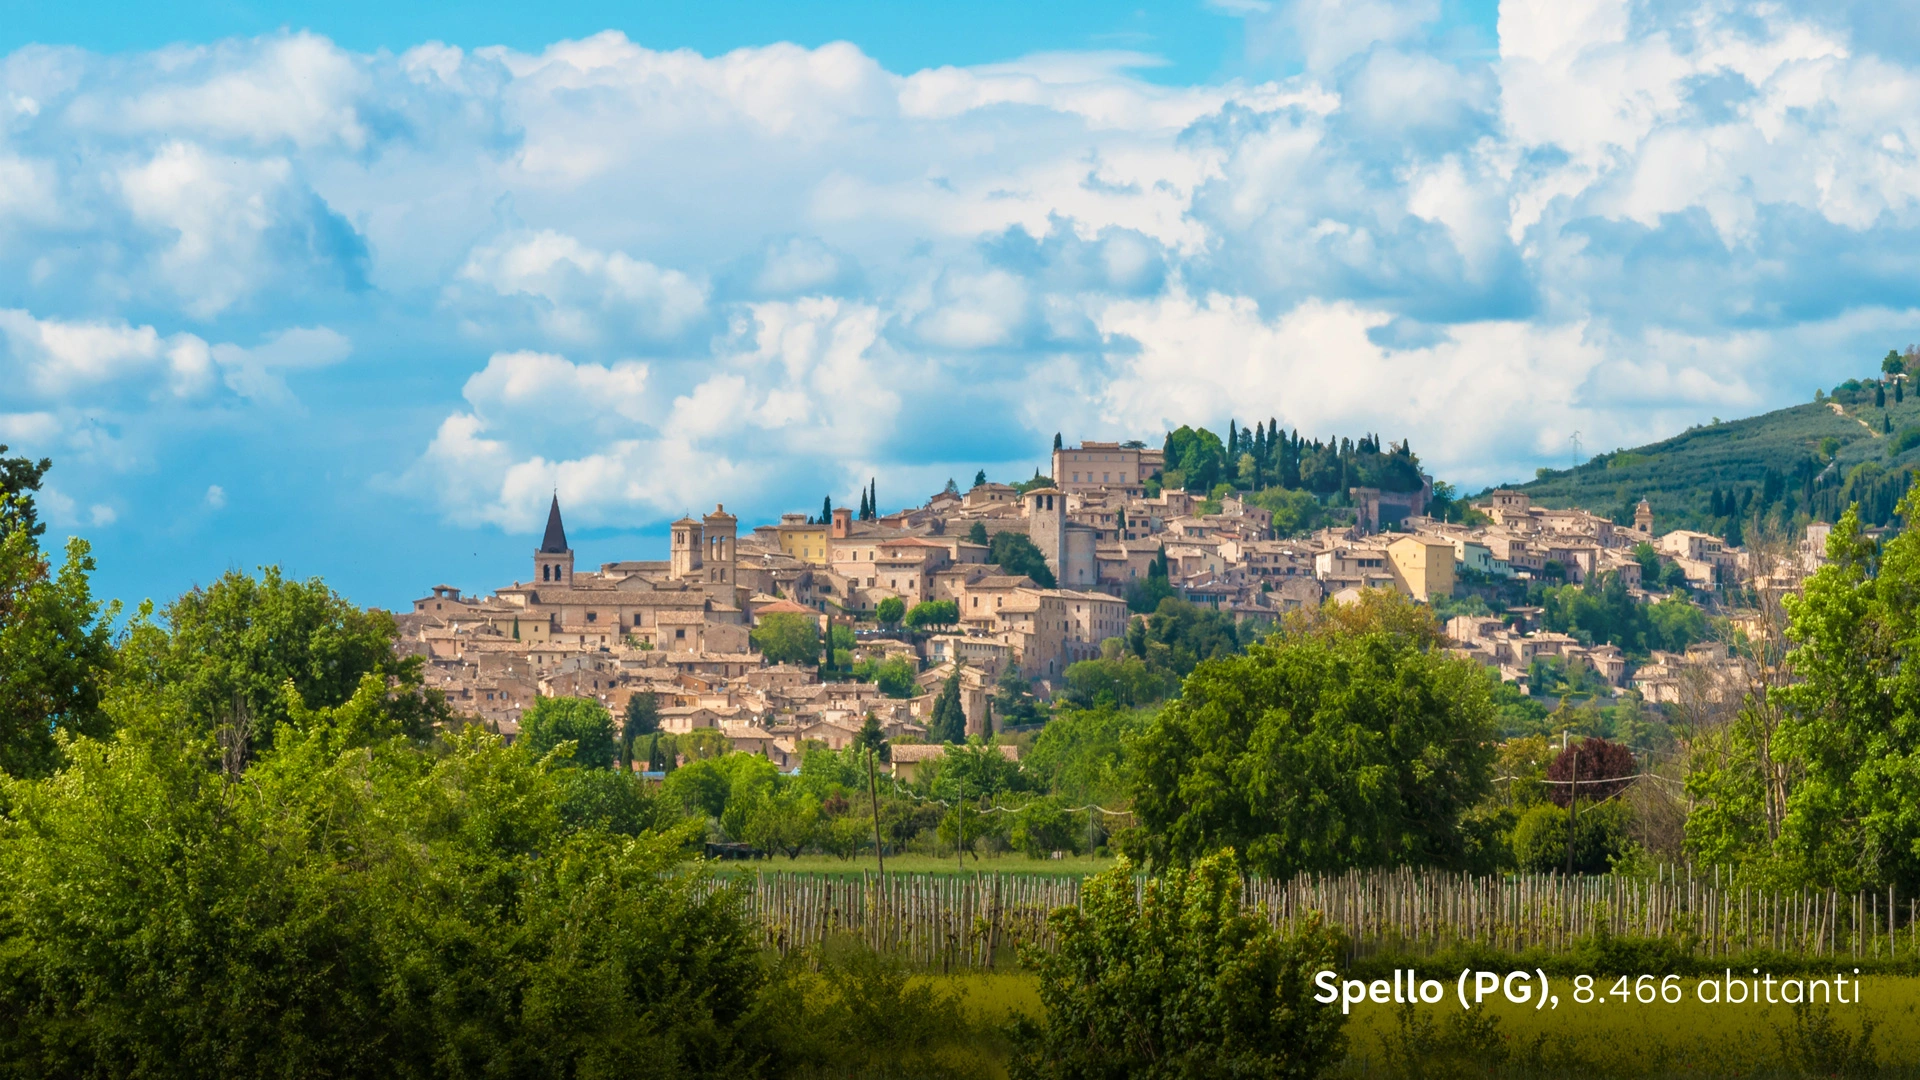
(788,637)
(1330,746)
(228,653)
(354,907)
(1015,553)
(20,477)
(583,722)
(1603,611)
(1180,634)
(55,651)
(933,614)
(895,675)
(1828,791)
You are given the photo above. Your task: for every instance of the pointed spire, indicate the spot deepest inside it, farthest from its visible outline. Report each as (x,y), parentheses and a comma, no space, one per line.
(555,542)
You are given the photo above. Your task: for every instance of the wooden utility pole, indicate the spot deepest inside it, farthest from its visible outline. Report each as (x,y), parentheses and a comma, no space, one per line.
(873,793)
(1573,808)
(960,825)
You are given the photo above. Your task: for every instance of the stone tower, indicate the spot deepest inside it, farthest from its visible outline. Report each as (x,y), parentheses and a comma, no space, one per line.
(1643,517)
(721,529)
(1046,510)
(553,560)
(687,548)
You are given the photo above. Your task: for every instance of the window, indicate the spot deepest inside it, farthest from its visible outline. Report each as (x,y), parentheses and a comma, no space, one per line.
(593,616)
(681,632)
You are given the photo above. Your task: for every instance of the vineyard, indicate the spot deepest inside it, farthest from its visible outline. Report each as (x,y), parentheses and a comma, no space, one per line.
(951,922)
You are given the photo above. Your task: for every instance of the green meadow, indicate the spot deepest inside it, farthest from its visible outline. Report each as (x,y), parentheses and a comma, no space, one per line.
(1599,1041)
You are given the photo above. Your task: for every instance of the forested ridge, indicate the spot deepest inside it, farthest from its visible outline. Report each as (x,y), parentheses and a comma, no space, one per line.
(1856,445)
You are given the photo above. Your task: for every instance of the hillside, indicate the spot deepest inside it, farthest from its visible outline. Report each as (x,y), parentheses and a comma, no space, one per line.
(1812,460)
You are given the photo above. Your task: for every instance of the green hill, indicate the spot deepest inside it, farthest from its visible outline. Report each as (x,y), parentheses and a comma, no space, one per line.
(1806,462)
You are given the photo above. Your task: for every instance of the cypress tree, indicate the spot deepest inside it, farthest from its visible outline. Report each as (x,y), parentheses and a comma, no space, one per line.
(1056,440)
(826,510)
(949,722)
(873,498)
(1879,394)
(1233,441)
(1899,394)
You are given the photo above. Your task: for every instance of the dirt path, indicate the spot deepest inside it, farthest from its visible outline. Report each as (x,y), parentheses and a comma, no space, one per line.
(1838,411)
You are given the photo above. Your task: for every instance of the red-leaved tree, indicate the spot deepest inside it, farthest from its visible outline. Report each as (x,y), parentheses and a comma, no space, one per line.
(1601,760)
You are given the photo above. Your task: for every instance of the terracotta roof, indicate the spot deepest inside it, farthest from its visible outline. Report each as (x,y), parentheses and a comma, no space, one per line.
(782,607)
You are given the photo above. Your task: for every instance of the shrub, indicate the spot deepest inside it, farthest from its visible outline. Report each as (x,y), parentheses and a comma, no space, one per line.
(1178,980)
(1540,838)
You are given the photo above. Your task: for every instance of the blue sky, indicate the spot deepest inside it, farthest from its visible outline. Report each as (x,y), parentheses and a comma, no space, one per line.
(355,289)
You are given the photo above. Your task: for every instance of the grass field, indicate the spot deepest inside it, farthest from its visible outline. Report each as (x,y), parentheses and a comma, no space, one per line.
(1635,1040)
(1595,1040)
(1073,866)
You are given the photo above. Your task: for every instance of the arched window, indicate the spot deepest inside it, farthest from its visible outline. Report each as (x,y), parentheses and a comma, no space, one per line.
(546,573)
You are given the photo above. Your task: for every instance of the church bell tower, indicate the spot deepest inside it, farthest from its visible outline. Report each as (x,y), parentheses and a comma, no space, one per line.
(553,561)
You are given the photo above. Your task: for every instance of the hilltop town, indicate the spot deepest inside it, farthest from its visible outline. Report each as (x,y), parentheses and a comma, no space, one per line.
(1104,525)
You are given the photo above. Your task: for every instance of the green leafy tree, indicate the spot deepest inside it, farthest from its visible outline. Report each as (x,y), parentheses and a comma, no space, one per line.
(949,721)
(788,637)
(20,477)
(1331,746)
(1540,839)
(1081,754)
(1044,826)
(581,721)
(977,533)
(233,648)
(1144,595)
(1892,364)
(1179,634)
(1649,560)
(1015,553)
(1177,979)
(928,614)
(1013,699)
(1120,680)
(786,820)
(364,910)
(641,720)
(1830,794)
(895,675)
(979,478)
(890,611)
(56,651)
